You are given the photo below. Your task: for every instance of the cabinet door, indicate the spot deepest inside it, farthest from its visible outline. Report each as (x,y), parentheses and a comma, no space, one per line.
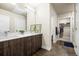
(38,39)
(33,43)
(6,49)
(27,46)
(36,42)
(16,47)
(13,47)
(21,46)
(1,49)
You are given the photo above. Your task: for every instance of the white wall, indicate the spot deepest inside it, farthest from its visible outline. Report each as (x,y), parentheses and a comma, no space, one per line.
(40,14)
(43,17)
(44,14)
(13,19)
(53,22)
(76,28)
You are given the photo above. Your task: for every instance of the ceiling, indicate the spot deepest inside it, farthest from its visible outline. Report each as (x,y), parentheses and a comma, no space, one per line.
(61,8)
(19,8)
(16,8)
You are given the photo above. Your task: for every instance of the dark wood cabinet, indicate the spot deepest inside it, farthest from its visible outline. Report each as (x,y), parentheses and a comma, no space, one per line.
(16,47)
(38,39)
(36,43)
(1,49)
(25,46)
(33,43)
(6,48)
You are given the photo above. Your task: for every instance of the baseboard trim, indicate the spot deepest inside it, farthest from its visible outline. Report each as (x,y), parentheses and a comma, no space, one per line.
(46,48)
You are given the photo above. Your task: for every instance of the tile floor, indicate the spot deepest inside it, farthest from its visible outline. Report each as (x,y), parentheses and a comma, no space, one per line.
(57,50)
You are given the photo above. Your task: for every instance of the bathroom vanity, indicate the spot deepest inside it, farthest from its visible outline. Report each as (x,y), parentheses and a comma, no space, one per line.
(21,45)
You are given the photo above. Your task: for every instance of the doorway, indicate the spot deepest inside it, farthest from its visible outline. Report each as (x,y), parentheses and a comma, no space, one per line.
(64,31)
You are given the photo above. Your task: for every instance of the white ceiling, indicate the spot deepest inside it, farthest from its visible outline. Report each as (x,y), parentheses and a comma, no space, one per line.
(20,8)
(17,8)
(61,8)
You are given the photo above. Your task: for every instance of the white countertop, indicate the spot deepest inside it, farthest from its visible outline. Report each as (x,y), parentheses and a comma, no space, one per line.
(11,36)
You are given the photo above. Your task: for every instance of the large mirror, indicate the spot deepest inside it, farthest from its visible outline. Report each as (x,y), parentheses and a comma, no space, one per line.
(18,17)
